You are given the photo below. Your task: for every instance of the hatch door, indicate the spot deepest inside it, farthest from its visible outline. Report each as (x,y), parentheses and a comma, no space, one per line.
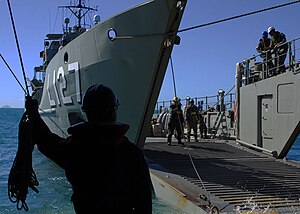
(267,120)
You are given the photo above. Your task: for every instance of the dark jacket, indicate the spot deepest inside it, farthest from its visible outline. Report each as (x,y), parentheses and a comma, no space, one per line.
(263,45)
(176,114)
(278,39)
(107,172)
(192,114)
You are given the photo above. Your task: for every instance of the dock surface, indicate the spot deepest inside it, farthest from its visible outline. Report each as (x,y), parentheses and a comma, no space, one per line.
(233,177)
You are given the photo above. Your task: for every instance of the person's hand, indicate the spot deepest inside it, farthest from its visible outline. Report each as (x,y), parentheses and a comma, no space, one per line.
(31,106)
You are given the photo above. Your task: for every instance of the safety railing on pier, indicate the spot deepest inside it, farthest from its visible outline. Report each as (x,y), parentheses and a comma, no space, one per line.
(204,103)
(256,68)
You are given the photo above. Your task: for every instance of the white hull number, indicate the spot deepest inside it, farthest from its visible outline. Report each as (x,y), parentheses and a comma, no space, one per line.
(59,84)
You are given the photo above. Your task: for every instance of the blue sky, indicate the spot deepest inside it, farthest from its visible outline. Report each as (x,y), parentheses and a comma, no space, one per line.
(203,63)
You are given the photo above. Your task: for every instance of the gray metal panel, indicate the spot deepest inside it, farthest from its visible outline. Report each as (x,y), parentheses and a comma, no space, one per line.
(278,131)
(267,122)
(286,98)
(248,114)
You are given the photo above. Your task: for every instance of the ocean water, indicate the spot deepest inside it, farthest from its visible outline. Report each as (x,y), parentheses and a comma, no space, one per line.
(55,191)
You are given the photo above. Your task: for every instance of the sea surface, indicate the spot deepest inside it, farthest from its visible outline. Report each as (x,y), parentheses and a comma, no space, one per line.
(55,191)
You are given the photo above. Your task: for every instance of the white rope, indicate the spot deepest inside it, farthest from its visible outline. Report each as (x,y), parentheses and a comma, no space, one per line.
(185,142)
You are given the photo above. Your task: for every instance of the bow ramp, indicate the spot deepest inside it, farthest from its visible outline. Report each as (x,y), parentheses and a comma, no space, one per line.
(234,179)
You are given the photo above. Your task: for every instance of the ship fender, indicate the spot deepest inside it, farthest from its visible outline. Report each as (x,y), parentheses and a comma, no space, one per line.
(163,120)
(160,117)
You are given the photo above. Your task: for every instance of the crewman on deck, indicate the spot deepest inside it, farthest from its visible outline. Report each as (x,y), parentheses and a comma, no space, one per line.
(191,120)
(176,121)
(264,48)
(280,48)
(107,172)
(200,105)
(202,126)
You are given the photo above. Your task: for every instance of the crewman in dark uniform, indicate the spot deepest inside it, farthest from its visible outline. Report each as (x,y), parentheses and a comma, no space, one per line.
(107,172)
(176,121)
(202,126)
(280,48)
(200,105)
(191,120)
(264,48)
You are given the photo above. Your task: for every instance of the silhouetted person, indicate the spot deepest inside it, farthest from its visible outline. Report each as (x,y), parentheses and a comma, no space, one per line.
(200,105)
(264,48)
(192,119)
(280,48)
(202,126)
(107,172)
(176,121)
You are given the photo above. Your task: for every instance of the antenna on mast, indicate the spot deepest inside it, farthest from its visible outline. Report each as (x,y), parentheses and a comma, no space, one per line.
(79,11)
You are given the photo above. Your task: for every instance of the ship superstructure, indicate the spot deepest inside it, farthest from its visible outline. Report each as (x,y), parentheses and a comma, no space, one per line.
(241,167)
(268,108)
(263,114)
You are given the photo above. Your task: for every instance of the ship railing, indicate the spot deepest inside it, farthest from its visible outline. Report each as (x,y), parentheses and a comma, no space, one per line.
(205,103)
(256,68)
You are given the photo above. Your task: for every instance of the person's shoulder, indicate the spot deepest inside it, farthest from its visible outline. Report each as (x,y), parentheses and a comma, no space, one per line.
(128,145)
(282,34)
(132,151)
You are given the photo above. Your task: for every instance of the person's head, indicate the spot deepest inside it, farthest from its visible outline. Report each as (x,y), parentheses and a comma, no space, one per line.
(264,35)
(100,104)
(176,100)
(191,102)
(271,30)
(63,42)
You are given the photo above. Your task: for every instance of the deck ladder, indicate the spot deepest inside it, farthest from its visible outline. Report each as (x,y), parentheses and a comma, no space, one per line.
(220,119)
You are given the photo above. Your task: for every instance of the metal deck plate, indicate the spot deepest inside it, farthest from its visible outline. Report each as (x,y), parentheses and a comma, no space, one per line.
(239,178)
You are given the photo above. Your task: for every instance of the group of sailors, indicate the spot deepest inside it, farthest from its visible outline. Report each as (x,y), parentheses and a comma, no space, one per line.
(273,50)
(191,117)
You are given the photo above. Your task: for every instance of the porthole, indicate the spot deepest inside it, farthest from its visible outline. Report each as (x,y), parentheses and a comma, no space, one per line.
(112,34)
(66,58)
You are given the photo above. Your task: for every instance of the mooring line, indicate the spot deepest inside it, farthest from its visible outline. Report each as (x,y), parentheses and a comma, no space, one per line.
(9,68)
(18,47)
(185,143)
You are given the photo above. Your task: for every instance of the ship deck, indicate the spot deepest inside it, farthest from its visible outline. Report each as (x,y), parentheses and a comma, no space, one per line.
(235,179)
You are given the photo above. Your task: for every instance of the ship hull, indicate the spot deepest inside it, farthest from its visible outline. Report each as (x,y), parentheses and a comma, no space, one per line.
(133,65)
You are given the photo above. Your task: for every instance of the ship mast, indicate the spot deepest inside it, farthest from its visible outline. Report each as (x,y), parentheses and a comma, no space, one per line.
(79,11)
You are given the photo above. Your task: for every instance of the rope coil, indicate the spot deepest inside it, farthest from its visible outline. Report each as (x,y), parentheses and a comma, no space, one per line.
(21,175)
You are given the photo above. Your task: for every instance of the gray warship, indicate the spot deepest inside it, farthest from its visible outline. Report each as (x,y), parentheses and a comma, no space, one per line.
(128,52)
